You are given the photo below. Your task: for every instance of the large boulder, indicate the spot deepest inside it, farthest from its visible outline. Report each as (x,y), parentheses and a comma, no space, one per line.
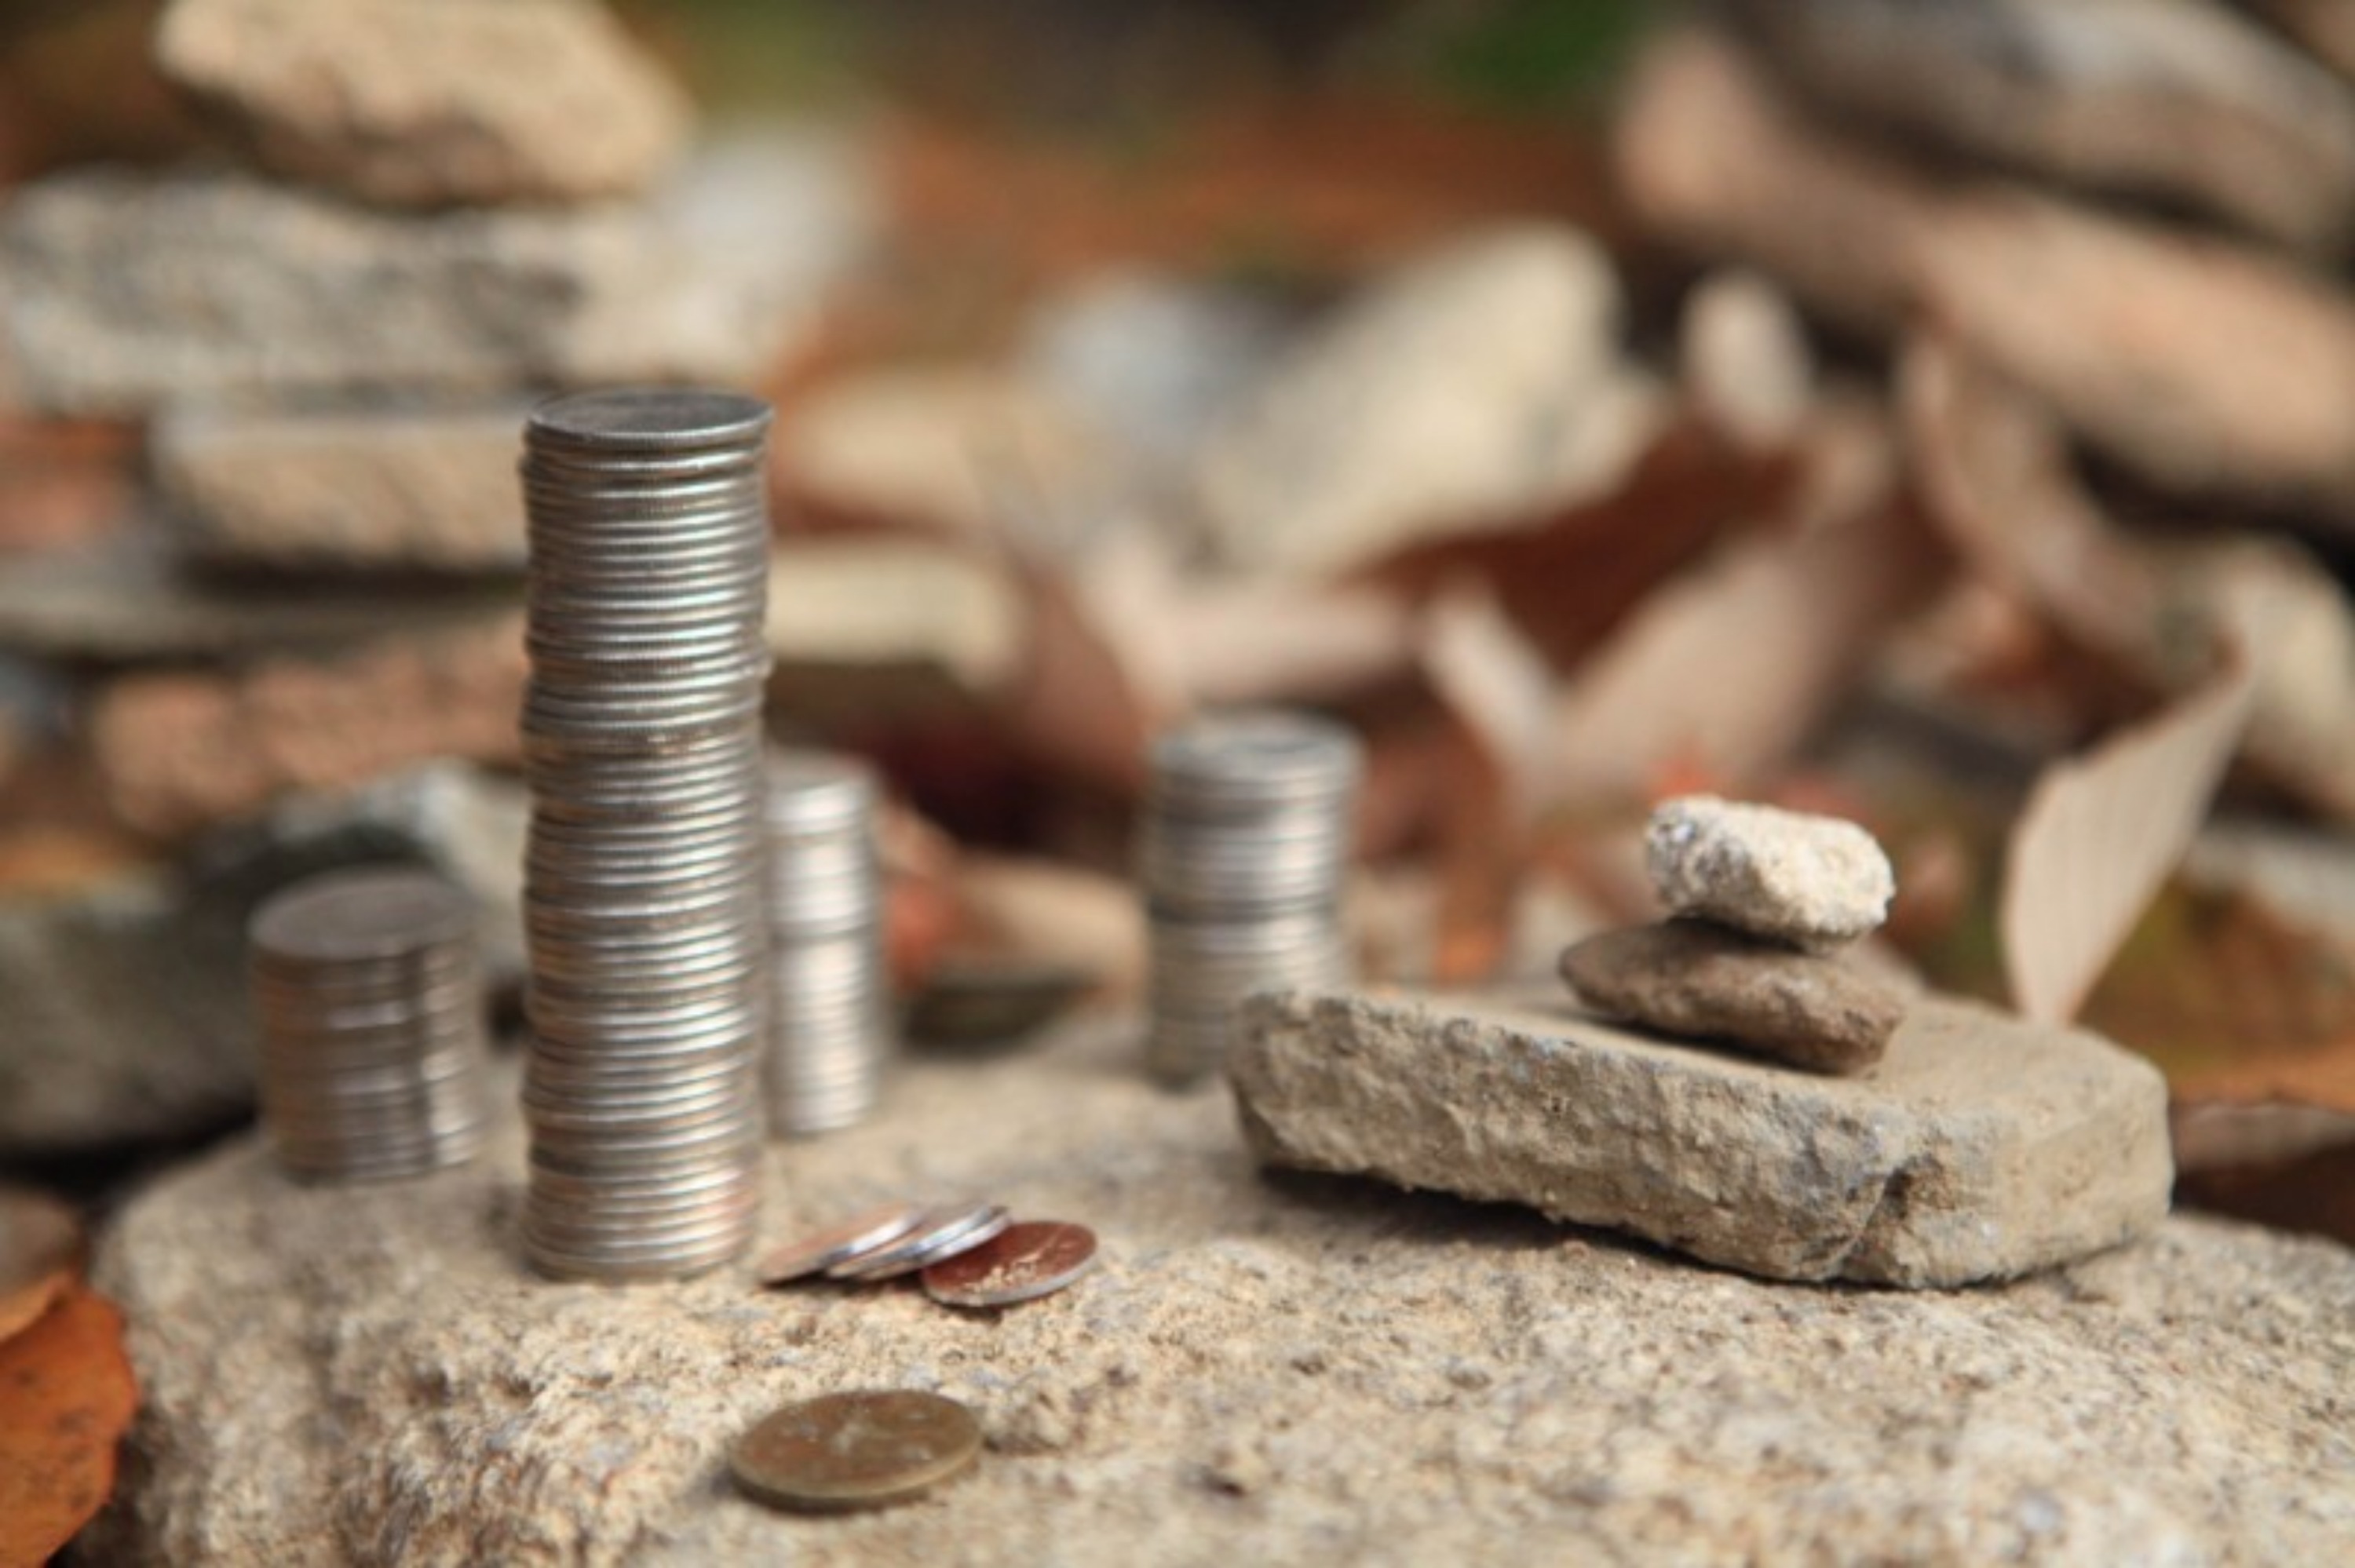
(1307,1370)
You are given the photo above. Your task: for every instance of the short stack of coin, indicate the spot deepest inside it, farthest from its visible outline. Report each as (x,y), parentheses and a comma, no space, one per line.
(828,994)
(969,1253)
(1245,844)
(642,887)
(369,999)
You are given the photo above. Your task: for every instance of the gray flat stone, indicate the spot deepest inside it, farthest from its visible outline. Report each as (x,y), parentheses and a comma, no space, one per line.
(1979,1148)
(129,292)
(1690,978)
(415,490)
(1302,1371)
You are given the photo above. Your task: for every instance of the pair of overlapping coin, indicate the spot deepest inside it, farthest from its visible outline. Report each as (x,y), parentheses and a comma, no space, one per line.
(969,1254)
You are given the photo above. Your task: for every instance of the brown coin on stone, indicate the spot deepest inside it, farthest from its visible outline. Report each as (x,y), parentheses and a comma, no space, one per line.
(1021,1263)
(821,1250)
(855,1450)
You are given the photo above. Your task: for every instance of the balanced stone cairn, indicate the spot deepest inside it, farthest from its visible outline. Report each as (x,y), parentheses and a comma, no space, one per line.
(1762,901)
(828,999)
(1246,838)
(370,1002)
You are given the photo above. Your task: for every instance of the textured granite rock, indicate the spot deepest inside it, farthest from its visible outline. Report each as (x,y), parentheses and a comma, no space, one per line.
(128,291)
(420,490)
(1689,977)
(1788,877)
(126,1019)
(430,103)
(1477,387)
(1979,1149)
(1295,1371)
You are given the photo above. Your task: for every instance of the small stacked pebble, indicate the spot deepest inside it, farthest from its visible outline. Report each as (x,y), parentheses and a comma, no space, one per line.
(1762,902)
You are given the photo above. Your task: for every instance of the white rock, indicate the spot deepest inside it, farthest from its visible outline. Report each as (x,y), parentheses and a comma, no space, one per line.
(1788,877)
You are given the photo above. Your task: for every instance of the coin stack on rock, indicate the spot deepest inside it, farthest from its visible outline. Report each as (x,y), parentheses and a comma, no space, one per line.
(642,883)
(969,1254)
(1762,901)
(827,990)
(371,1004)
(1246,838)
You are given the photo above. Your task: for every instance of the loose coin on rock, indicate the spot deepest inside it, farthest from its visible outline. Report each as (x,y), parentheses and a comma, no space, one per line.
(821,1250)
(943,1234)
(1020,1263)
(855,1450)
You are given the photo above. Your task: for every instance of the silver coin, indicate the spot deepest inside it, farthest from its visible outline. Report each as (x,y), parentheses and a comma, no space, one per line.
(943,1234)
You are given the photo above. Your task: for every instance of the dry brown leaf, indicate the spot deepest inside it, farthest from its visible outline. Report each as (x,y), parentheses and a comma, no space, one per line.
(67,1394)
(40,1255)
(1728,669)
(1499,685)
(2098,837)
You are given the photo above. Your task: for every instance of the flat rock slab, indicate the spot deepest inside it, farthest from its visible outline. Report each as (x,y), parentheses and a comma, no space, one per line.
(1299,1370)
(1978,1149)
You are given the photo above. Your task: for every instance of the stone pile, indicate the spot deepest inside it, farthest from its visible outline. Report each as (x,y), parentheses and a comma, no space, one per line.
(306,364)
(1761,901)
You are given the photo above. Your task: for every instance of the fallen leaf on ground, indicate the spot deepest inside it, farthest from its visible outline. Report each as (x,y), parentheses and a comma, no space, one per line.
(2100,833)
(67,1394)
(40,1255)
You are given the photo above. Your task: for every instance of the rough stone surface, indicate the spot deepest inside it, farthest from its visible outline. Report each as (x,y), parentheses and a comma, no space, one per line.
(1689,977)
(1978,1149)
(180,749)
(128,291)
(416,491)
(1305,1371)
(126,1019)
(428,103)
(1476,387)
(1814,881)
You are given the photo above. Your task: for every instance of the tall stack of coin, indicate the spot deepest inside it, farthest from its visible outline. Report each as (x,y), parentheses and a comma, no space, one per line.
(370,1001)
(829,1027)
(1245,844)
(641,746)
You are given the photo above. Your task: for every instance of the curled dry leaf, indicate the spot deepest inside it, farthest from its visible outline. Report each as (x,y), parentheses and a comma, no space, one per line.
(40,1255)
(2099,835)
(66,1394)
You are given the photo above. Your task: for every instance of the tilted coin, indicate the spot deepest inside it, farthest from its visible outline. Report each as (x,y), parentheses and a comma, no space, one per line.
(1020,1263)
(943,1234)
(821,1250)
(864,1449)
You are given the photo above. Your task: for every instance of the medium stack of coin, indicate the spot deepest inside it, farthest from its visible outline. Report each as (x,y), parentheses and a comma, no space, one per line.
(643,889)
(371,1004)
(828,995)
(1246,842)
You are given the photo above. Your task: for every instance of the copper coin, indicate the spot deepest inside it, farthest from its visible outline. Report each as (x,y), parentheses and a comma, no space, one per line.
(944,1233)
(855,1450)
(1020,1263)
(853,1237)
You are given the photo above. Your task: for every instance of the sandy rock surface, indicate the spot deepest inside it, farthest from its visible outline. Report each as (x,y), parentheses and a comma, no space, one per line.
(1787,876)
(128,291)
(1977,1149)
(1689,977)
(428,103)
(1300,1371)
(431,491)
